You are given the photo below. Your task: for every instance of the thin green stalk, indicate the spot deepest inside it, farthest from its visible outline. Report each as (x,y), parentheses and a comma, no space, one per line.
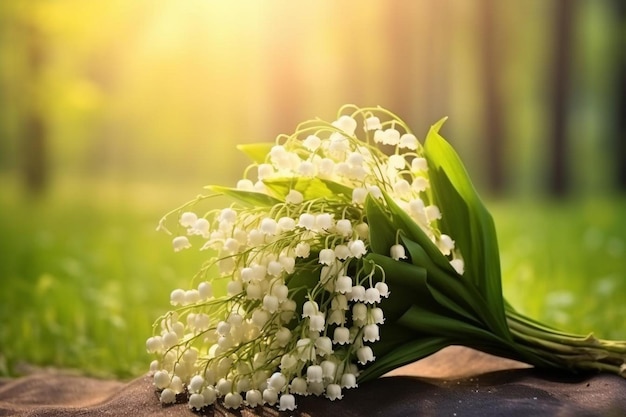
(573,352)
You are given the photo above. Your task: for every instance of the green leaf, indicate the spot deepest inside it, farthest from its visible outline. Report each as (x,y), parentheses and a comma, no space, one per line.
(451,290)
(311,188)
(247,198)
(382,232)
(392,335)
(424,320)
(338,189)
(406,224)
(303,278)
(444,284)
(257,152)
(410,284)
(407,285)
(466,219)
(408,352)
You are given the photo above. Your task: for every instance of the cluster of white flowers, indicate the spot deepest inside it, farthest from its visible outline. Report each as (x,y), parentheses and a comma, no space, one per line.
(301,307)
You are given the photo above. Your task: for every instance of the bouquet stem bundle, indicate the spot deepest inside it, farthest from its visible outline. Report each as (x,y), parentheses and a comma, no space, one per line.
(337,263)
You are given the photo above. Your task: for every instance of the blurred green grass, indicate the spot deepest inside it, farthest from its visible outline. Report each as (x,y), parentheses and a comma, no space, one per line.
(564,262)
(84,273)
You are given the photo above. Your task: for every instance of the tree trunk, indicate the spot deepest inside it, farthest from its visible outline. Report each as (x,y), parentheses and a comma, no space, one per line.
(34,147)
(620,98)
(559,150)
(493,106)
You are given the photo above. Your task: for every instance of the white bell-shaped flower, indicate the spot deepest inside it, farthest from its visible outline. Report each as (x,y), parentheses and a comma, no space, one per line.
(312,142)
(391,137)
(210,395)
(254,398)
(408,141)
(187,219)
(309,308)
(323,346)
(341,335)
(233,400)
(303,250)
(345,123)
(373,123)
(196,401)
(419,165)
(348,380)
(277,381)
(287,402)
(358,195)
(168,396)
(383,289)
(397,252)
(343,284)
(359,312)
(314,373)
(445,244)
(357,247)
(270,396)
(371,333)
(317,322)
(458,265)
(327,257)
(344,227)
(307,221)
(372,296)
(294,197)
(298,386)
(180,243)
(333,392)
(161,379)
(365,355)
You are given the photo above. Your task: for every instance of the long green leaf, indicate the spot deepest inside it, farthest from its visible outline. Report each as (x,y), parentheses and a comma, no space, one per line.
(246,198)
(311,188)
(466,219)
(470,301)
(382,232)
(407,285)
(257,152)
(403,354)
(444,284)
(407,225)
(411,284)
(427,322)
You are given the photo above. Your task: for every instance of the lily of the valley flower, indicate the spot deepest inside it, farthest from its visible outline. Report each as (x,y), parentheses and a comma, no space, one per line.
(327,239)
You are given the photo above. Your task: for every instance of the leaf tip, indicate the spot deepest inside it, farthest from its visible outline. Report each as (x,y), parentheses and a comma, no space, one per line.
(437,126)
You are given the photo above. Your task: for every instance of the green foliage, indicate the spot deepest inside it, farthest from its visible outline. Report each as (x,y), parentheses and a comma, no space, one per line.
(82,281)
(246,198)
(467,220)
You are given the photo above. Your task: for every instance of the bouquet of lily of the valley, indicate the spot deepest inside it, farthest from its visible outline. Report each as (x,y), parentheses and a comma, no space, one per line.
(334,263)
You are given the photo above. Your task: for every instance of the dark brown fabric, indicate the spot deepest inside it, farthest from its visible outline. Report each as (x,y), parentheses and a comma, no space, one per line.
(454,382)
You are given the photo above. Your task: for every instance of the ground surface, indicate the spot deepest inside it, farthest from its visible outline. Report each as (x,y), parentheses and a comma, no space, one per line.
(454,382)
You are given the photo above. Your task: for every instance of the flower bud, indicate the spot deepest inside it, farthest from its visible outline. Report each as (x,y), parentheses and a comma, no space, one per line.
(397,252)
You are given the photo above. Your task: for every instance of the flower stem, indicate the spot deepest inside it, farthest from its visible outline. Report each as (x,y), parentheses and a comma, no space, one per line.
(568,351)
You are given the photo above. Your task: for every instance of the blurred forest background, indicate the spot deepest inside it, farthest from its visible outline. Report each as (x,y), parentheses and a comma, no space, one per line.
(113,112)
(161,90)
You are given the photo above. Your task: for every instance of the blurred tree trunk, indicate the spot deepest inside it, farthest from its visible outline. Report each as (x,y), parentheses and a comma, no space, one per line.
(558,181)
(620,96)
(400,72)
(285,80)
(493,105)
(435,85)
(34,146)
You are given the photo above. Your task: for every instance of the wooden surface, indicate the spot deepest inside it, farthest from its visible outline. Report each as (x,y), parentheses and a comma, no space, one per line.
(454,382)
